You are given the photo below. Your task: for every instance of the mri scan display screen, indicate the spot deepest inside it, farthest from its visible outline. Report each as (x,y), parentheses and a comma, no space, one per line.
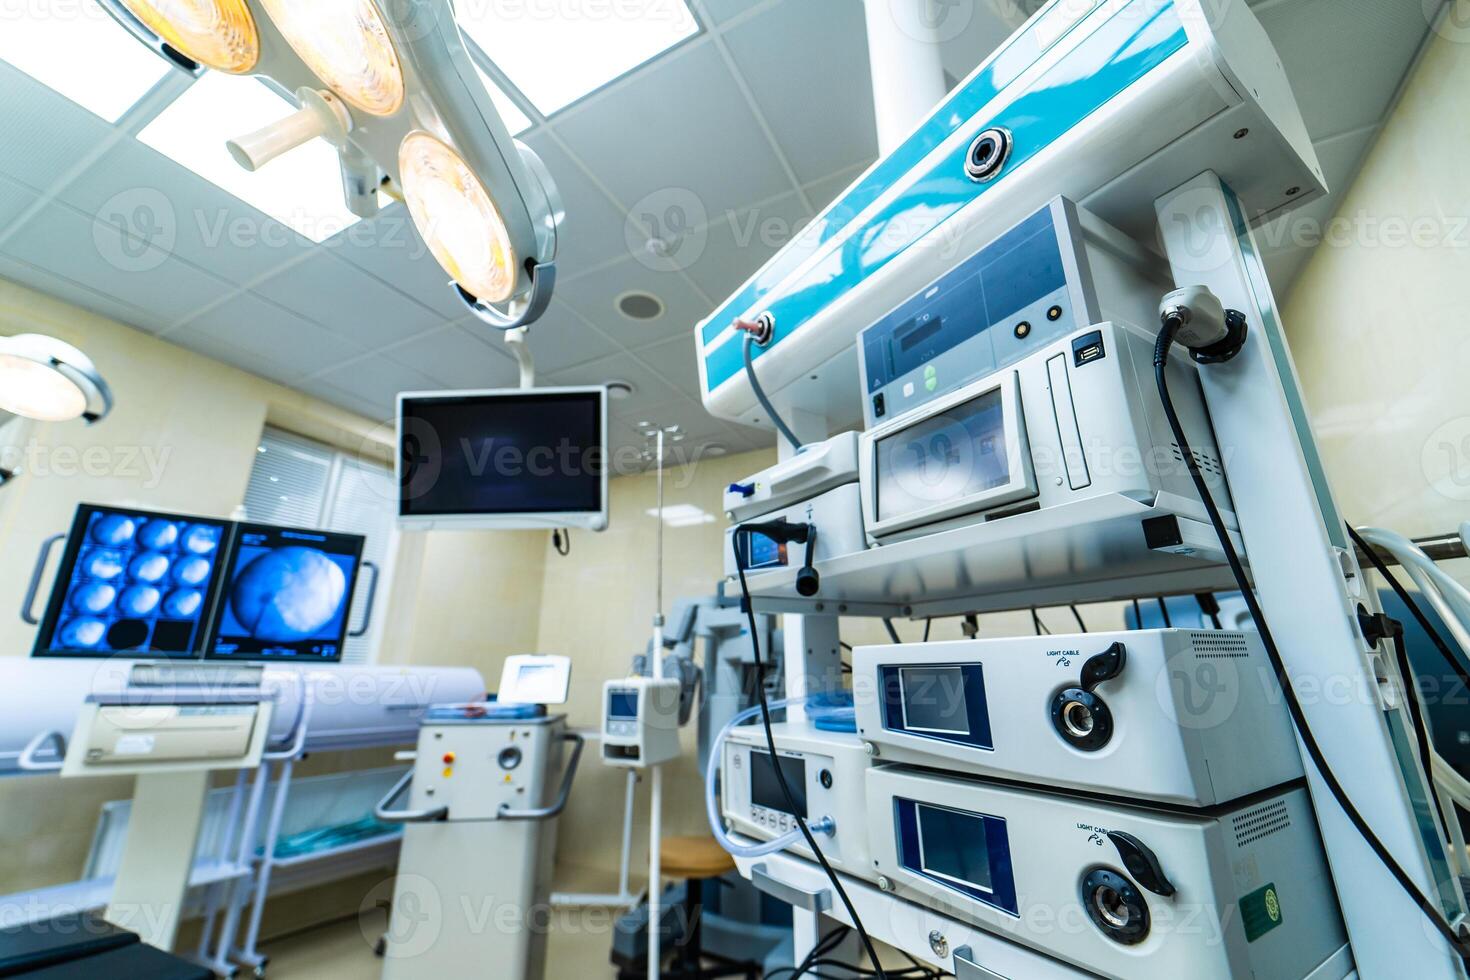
(286,595)
(133,583)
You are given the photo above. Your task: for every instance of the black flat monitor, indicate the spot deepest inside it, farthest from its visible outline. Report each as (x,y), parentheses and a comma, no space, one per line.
(286,595)
(503,459)
(134,583)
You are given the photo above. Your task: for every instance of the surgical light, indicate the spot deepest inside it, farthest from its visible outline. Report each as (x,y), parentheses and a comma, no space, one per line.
(49,380)
(457,218)
(219,34)
(347,45)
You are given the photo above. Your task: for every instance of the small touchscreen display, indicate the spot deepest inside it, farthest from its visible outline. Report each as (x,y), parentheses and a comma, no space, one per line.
(952,456)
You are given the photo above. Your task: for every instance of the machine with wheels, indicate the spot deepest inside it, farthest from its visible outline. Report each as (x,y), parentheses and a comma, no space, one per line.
(474,874)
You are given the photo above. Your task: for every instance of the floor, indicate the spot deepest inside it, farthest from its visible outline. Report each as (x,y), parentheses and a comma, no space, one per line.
(577,948)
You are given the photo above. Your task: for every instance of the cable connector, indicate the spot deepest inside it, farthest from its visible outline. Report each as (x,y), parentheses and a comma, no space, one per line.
(1201,323)
(1377,627)
(761,329)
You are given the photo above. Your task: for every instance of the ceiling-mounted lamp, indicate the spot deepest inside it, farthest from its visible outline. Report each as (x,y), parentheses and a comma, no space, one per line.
(49,380)
(394,89)
(346,44)
(218,34)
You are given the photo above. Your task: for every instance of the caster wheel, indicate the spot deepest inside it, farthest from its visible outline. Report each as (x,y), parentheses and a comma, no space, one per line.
(380,948)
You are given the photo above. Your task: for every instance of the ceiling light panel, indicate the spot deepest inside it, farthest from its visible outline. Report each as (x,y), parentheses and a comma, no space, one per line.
(302,189)
(81,52)
(557,52)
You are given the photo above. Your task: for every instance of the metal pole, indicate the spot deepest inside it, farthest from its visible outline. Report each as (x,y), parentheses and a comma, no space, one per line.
(655,822)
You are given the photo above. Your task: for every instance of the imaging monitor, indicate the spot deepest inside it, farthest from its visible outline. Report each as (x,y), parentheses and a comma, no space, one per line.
(133,583)
(505,459)
(286,595)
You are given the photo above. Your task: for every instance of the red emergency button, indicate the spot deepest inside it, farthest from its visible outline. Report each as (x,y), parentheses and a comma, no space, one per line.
(449,758)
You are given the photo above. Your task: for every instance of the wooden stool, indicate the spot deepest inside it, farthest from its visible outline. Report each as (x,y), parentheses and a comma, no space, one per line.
(697,860)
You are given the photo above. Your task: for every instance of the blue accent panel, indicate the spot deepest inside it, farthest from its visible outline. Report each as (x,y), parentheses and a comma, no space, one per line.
(934,693)
(1113,58)
(1004,67)
(992,830)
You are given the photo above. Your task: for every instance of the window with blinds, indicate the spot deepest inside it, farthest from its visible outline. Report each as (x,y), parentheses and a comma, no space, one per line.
(299,482)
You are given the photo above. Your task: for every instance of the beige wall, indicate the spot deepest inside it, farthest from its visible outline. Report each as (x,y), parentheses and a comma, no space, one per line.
(182,438)
(1379,320)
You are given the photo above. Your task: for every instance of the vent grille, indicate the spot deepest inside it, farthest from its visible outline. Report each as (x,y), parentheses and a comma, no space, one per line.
(1219,646)
(1207,462)
(1263,821)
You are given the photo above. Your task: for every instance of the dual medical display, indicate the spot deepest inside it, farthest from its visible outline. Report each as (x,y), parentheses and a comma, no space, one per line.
(139,584)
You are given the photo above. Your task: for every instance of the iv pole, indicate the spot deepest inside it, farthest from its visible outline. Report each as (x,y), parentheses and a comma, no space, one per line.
(655,822)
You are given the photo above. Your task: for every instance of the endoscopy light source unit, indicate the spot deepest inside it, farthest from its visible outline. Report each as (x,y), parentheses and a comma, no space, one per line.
(347,45)
(219,34)
(49,380)
(457,218)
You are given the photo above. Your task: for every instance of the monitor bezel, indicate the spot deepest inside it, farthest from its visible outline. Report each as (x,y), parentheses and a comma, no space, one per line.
(591,520)
(75,537)
(216,623)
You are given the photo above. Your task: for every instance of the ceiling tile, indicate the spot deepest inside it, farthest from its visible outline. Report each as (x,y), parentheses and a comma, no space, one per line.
(596,294)
(293,345)
(651,389)
(222,347)
(76,293)
(98,254)
(819,108)
(203,224)
(46,134)
(593,231)
(736,245)
(348,301)
(672,135)
(562,339)
(823,192)
(454,357)
(376,382)
(14,199)
(716,12)
(1344,58)
(389,247)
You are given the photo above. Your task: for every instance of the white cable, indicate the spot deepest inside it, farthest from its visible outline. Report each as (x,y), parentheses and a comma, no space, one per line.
(1450,599)
(712,807)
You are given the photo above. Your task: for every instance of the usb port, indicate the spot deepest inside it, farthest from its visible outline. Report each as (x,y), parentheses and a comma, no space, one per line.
(1087,349)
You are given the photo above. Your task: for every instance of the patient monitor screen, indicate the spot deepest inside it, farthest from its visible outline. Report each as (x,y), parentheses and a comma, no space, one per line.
(287,595)
(133,583)
(502,453)
(951,456)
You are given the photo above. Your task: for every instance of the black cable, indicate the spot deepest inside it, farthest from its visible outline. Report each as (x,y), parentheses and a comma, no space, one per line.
(775,757)
(1041,629)
(1273,653)
(1164,608)
(1408,600)
(892,633)
(557,541)
(845,645)
(1137,615)
(1078,616)
(1210,606)
(1416,717)
(760,395)
(928,625)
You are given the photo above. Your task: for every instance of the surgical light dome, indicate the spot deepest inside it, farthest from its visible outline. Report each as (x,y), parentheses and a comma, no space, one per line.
(347,45)
(219,34)
(456,217)
(46,379)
